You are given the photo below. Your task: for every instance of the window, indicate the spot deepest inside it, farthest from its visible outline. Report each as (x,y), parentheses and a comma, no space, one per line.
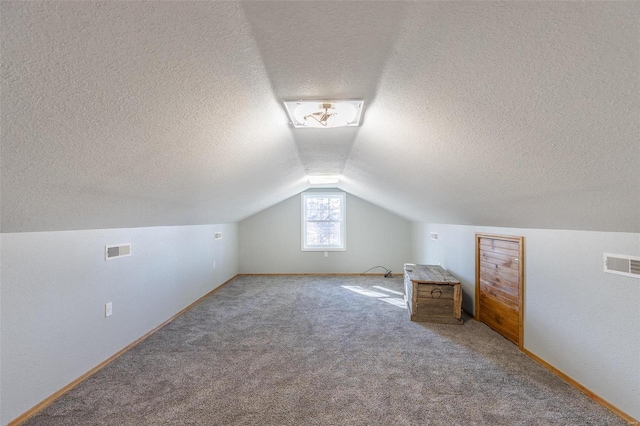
(323,221)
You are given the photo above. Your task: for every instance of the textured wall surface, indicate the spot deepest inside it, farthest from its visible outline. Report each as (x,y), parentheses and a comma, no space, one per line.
(126,114)
(577,318)
(55,286)
(270,241)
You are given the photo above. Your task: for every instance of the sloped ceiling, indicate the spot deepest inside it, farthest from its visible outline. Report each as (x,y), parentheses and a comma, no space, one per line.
(125,114)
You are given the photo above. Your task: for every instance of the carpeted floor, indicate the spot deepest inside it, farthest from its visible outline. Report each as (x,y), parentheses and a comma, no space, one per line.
(321,351)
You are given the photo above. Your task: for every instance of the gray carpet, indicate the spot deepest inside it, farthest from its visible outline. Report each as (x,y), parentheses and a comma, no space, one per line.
(308,351)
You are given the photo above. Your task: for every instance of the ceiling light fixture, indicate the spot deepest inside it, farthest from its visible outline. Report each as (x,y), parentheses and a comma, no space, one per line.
(324,114)
(323,179)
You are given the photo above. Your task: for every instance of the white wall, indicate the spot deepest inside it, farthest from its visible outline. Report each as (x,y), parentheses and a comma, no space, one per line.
(581,320)
(55,286)
(270,241)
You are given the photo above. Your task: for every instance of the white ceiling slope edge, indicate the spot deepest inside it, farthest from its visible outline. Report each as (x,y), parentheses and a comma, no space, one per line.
(125,114)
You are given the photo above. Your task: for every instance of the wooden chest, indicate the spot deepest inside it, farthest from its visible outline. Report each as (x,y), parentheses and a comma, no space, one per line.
(432,294)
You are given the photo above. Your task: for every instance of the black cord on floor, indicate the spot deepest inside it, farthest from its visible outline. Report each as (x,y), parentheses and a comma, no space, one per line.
(386,275)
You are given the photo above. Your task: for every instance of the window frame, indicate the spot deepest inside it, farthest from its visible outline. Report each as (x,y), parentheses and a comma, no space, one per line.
(343,221)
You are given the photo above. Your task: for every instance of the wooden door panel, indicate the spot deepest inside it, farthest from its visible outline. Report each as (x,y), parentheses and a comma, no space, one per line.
(511,251)
(490,242)
(504,321)
(500,279)
(490,280)
(495,262)
(494,308)
(499,295)
(506,273)
(499,258)
(499,284)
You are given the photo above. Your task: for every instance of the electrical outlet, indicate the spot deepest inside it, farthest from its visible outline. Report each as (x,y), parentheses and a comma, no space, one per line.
(108,309)
(326,254)
(214,264)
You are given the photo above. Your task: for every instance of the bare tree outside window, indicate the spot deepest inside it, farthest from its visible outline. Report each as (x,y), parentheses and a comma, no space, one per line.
(323,221)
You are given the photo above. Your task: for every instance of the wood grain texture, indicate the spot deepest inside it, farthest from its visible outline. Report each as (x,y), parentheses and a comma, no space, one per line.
(503,273)
(501,317)
(500,284)
(498,241)
(432,294)
(435,291)
(435,307)
(511,250)
(499,296)
(495,261)
(505,287)
(430,274)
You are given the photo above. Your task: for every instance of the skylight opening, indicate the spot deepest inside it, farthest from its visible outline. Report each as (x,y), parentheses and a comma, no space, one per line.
(323,179)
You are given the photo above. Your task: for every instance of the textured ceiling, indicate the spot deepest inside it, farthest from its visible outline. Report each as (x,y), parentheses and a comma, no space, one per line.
(123,114)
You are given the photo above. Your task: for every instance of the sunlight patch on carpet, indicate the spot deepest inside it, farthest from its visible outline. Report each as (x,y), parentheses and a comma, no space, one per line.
(400,303)
(388,290)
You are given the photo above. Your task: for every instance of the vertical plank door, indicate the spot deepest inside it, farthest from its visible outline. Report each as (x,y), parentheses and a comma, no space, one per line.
(500,284)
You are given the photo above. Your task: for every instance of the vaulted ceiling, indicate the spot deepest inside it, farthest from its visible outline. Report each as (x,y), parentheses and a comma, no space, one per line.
(125,114)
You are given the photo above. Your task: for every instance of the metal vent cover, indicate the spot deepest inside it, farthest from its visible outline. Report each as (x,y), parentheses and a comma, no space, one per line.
(120,250)
(622,265)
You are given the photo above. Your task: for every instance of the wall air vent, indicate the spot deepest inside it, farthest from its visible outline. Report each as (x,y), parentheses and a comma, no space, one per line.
(622,265)
(434,236)
(217,236)
(113,252)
